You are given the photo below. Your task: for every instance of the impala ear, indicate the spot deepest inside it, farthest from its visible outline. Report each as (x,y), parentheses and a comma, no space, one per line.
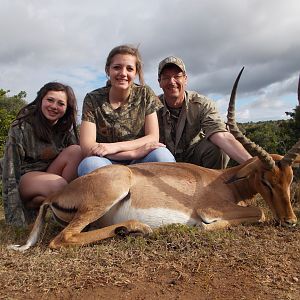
(245,171)
(297,160)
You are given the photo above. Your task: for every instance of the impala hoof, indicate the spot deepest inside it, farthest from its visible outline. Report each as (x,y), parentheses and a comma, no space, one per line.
(290,223)
(121,231)
(134,229)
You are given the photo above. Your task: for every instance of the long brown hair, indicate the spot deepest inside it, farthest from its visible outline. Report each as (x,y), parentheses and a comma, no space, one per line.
(131,50)
(33,113)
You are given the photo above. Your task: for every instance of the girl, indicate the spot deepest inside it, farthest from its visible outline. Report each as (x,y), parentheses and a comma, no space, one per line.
(41,155)
(119,121)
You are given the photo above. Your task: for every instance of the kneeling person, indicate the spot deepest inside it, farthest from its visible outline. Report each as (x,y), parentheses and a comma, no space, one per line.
(190,125)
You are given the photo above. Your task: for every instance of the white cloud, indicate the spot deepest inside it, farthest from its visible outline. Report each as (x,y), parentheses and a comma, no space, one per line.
(69,41)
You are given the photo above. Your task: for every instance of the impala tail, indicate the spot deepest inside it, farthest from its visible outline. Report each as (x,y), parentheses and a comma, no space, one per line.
(35,232)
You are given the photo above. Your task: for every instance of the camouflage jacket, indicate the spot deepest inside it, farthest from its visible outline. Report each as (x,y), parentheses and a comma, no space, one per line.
(24,152)
(197,119)
(124,123)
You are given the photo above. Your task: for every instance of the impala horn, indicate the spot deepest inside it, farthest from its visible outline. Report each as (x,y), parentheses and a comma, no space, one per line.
(292,154)
(250,146)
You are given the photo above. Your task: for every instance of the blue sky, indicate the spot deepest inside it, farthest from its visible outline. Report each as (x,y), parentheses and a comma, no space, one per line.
(69,41)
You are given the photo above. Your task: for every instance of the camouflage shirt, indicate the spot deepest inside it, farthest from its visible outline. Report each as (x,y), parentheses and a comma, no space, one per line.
(24,152)
(181,129)
(125,123)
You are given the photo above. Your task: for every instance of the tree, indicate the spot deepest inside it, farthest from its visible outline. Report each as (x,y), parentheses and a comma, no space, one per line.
(294,122)
(9,107)
(274,136)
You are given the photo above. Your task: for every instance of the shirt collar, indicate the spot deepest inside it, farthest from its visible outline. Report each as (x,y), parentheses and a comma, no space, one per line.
(165,108)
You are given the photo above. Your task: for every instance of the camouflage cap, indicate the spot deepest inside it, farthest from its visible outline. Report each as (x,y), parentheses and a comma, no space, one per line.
(171,60)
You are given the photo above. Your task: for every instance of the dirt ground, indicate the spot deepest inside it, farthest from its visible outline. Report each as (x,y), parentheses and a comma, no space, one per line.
(176,262)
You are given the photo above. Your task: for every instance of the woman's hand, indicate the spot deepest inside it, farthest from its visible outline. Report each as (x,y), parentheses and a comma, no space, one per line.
(103,149)
(147,148)
(114,150)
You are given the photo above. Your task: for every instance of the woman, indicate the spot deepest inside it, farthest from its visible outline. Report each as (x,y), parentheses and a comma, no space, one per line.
(119,121)
(41,155)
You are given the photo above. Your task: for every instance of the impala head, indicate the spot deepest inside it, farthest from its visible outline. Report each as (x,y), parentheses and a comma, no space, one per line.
(272,175)
(274,186)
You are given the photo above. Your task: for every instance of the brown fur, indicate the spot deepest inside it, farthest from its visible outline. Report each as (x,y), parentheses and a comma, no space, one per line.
(210,197)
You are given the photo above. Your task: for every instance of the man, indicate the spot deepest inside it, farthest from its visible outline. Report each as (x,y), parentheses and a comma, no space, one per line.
(190,124)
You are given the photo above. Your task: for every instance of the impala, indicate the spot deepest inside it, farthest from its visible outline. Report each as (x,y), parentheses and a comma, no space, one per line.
(140,197)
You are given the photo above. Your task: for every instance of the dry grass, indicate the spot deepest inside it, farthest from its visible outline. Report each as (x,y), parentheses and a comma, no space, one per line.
(175,262)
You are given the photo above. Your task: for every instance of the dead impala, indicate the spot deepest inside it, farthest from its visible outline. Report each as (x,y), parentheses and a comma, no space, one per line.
(139,197)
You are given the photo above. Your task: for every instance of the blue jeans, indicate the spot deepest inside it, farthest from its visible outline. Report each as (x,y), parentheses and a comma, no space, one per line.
(91,163)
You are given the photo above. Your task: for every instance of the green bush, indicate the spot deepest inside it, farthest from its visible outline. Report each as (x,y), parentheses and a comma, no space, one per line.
(9,107)
(275,136)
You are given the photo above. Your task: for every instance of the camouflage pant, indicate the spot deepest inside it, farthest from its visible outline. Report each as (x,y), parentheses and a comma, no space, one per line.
(208,155)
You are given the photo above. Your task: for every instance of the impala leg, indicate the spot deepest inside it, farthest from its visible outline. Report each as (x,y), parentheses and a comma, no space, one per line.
(72,235)
(230,216)
(222,224)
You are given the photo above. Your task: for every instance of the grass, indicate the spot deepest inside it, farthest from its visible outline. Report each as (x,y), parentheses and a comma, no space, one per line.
(174,261)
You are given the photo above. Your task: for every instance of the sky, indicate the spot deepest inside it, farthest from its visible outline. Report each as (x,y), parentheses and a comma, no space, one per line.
(69,40)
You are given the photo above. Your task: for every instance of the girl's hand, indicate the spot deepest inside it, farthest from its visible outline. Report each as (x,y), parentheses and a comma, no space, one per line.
(103,149)
(147,148)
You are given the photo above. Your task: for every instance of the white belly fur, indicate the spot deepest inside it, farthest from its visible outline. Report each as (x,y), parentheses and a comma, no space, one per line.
(154,217)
